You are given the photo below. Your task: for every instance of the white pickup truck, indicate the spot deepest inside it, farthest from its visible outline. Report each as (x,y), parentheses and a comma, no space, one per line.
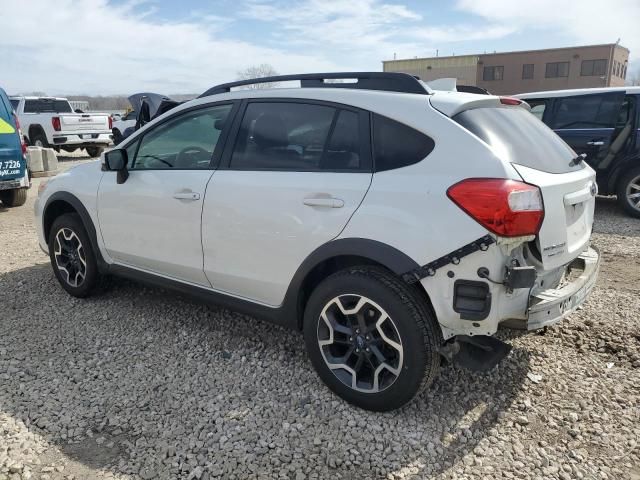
(51,122)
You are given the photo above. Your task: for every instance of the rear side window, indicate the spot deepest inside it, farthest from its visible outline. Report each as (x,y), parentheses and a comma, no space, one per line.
(396,145)
(293,136)
(15,103)
(538,107)
(518,137)
(48,105)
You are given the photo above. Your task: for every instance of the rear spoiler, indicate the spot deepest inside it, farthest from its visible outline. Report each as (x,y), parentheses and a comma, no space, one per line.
(450,85)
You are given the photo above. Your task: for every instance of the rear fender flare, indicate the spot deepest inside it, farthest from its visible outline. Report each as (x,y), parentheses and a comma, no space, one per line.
(371,250)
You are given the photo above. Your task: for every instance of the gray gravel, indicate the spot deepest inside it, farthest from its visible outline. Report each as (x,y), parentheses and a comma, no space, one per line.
(140,383)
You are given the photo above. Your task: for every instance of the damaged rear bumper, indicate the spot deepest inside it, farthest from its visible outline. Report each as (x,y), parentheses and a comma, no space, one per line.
(548,307)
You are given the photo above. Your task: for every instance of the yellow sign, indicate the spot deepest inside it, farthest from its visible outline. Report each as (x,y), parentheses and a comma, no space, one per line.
(6,127)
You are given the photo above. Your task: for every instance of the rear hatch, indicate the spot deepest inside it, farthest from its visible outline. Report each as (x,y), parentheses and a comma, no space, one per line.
(12,164)
(84,122)
(542,159)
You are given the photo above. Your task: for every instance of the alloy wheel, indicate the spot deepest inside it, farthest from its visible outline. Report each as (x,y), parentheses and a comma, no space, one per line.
(69,257)
(633,192)
(360,343)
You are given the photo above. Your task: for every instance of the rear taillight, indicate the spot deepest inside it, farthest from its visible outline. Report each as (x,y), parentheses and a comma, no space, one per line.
(110,122)
(505,207)
(23,145)
(55,121)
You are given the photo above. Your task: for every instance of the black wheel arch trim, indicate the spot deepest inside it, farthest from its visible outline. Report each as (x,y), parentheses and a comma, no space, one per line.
(86,221)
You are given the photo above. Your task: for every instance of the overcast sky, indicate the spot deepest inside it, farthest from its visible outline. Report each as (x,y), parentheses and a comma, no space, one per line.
(185,46)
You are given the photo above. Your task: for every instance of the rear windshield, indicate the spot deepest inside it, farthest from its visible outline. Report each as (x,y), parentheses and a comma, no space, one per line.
(46,105)
(519,137)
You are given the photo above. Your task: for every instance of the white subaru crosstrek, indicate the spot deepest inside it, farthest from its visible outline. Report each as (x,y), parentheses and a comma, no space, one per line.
(396,226)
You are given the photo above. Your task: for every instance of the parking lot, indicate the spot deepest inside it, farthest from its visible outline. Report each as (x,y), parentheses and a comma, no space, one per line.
(140,383)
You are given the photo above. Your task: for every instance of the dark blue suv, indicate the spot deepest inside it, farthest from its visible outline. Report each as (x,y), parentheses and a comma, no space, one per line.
(14,177)
(602,125)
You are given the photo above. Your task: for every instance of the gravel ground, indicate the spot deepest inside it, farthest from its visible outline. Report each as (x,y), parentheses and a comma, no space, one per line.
(139,383)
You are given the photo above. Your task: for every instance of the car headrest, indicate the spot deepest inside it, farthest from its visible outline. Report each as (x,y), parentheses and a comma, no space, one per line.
(269,131)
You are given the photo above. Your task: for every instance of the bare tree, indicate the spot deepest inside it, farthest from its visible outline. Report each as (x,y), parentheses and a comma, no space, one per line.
(258,71)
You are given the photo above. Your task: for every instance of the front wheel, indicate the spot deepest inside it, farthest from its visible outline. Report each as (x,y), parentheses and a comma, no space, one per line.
(629,192)
(14,198)
(372,339)
(72,257)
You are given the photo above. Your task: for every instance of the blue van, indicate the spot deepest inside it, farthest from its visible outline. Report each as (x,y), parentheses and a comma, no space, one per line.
(602,125)
(14,177)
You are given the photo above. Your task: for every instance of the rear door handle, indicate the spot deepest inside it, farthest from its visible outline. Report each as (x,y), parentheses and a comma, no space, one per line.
(186,196)
(328,202)
(596,143)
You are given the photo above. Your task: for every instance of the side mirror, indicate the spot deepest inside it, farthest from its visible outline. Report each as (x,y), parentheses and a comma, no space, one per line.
(116,161)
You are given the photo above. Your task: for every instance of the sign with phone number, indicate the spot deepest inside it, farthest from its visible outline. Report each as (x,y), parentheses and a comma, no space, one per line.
(9,167)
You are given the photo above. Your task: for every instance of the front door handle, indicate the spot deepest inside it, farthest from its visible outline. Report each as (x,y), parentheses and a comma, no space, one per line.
(596,143)
(186,196)
(324,201)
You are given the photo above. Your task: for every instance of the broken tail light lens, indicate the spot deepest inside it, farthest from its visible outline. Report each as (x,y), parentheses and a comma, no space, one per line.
(508,208)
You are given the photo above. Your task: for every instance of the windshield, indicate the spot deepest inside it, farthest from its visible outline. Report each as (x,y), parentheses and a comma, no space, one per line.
(519,137)
(42,105)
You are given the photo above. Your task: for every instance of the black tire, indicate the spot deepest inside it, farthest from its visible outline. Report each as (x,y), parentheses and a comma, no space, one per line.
(94,151)
(632,177)
(415,326)
(117,136)
(14,198)
(71,222)
(39,139)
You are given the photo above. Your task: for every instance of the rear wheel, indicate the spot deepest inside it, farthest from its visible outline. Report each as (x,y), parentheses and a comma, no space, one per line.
(94,151)
(72,257)
(371,338)
(629,192)
(14,198)
(39,139)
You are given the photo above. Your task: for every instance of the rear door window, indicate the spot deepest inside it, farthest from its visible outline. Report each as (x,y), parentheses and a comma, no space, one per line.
(397,145)
(15,103)
(587,111)
(294,136)
(519,137)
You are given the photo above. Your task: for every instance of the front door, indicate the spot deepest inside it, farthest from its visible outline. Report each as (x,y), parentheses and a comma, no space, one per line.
(587,122)
(297,173)
(152,221)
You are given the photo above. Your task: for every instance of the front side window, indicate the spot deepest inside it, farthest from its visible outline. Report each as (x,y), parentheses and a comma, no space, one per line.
(297,137)
(527,71)
(397,145)
(493,73)
(185,142)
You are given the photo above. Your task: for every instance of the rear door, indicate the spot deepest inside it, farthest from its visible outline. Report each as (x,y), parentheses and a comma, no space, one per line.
(587,122)
(542,159)
(295,175)
(12,163)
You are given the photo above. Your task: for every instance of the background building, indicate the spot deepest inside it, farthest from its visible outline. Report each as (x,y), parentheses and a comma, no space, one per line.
(526,71)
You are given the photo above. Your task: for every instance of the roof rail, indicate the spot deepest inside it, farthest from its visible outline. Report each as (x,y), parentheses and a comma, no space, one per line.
(385,81)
